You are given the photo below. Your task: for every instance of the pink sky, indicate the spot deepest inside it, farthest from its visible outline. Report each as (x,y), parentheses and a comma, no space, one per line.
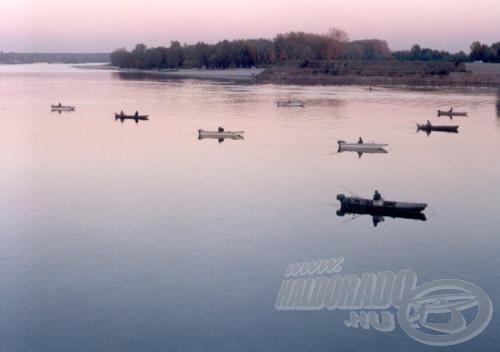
(104,25)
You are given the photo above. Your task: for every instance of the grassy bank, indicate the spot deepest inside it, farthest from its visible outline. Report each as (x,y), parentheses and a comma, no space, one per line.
(384,73)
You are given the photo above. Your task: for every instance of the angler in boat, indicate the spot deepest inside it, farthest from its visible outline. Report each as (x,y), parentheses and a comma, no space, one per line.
(450,113)
(122,116)
(220,134)
(379,207)
(361,146)
(428,127)
(59,107)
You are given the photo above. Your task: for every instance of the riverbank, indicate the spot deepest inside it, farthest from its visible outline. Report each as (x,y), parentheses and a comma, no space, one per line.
(343,73)
(385,73)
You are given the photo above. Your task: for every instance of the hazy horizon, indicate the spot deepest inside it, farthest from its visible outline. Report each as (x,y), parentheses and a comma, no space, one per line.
(92,26)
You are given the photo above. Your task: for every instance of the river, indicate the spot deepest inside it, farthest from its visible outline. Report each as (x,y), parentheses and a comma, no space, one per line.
(141,237)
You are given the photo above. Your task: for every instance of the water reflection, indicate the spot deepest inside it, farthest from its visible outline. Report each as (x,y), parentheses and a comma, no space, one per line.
(360,153)
(219,139)
(498,103)
(59,111)
(378,217)
(83,221)
(145,76)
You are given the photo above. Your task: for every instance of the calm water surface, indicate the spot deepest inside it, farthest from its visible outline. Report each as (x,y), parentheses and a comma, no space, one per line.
(140,237)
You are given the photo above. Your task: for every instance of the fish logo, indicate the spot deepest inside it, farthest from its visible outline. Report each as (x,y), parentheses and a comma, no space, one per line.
(432,313)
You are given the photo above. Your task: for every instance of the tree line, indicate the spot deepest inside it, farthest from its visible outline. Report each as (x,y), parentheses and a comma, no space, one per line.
(288,47)
(67,58)
(485,53)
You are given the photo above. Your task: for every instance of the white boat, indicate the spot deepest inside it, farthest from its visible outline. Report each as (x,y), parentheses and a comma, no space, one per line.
(291,103)
(220,135)
(62,107)
(361,147)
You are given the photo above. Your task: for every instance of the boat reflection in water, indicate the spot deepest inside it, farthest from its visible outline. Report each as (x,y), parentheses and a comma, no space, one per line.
(380,209)
(498,103)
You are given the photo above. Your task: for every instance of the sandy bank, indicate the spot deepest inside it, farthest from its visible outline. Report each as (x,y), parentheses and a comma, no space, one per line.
(240,74)
(230,74)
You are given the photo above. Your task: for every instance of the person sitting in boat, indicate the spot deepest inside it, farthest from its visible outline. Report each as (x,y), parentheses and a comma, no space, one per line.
(377,198)
(428,124)
(136,113)
(122,113)
(360,140)
(451,110)
(59,104)
(220,130)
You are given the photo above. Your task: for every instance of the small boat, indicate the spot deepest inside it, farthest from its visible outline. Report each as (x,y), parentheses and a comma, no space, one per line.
(362,147)
(378,209)
(291,103)
(382,207)
(123,117)
(62,108)
(220,135)
(428,128)
(451,113)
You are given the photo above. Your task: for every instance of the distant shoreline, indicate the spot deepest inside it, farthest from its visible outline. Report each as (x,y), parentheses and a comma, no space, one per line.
(430,74)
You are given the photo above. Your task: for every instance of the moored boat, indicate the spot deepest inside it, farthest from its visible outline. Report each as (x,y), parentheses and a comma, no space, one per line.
(429,128)
(220,135)
(59,107)
(362,147)
(451,113)
(291,103)
(382,207)
(131,117)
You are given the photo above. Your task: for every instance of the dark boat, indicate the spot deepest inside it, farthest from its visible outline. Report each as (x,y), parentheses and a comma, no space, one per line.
(428,128)
(361,206)
(451,113)
(123,117)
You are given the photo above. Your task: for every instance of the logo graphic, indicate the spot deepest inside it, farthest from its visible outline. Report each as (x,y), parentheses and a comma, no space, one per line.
(415,313)
(438,313)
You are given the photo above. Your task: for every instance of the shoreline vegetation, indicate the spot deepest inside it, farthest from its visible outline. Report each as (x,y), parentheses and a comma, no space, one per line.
(309,59)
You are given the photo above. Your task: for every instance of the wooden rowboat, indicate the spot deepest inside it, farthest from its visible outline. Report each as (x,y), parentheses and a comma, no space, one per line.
(364,147)
(379,209)
(357,205)
(429,128)
(123,117)
(220,135)
(361,204)
(62,108)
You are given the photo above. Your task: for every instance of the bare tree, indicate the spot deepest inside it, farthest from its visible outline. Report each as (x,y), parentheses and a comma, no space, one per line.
(336,45)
